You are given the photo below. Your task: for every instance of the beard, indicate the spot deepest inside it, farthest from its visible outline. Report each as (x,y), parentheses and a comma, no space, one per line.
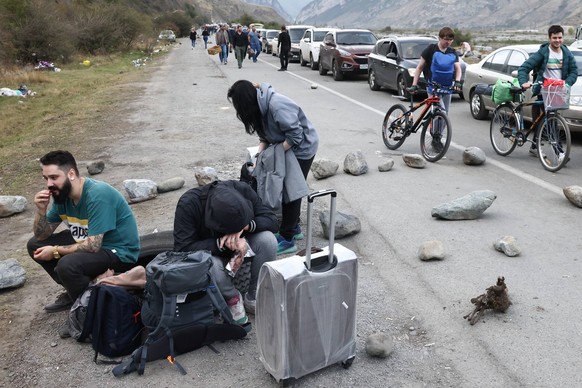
(60,194)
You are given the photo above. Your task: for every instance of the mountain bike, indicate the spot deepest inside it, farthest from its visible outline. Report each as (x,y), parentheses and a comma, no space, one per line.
(435,137)
(551,135)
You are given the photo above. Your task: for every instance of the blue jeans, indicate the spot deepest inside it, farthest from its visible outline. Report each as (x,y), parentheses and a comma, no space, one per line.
(193,42)
(257,49)
(205,41)
(223,55)
(264,244)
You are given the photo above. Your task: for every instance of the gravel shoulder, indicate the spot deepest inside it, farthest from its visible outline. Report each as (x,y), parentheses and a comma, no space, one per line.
(177,119)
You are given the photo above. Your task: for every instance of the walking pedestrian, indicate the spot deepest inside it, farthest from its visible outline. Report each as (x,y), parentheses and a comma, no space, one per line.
(193,35)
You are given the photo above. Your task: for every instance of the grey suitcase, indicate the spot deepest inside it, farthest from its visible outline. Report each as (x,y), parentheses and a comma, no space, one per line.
(306,307)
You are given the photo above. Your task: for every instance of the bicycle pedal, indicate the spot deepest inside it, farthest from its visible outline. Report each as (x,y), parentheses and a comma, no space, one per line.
(397,138)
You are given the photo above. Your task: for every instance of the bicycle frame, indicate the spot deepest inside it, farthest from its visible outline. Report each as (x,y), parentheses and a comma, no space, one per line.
(429,103)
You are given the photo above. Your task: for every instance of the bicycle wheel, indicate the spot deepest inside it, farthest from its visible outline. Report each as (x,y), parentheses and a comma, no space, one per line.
(554,142)
(435,137)
(503,125)
(394,130)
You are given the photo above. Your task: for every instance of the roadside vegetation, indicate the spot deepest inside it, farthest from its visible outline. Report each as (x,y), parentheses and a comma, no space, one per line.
(72,109)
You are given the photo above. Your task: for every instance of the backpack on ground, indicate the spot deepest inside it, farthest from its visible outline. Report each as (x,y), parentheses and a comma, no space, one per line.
(442,68)
(112,321)
(181,297)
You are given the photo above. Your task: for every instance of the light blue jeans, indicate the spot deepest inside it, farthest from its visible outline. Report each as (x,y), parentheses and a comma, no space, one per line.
(223,55)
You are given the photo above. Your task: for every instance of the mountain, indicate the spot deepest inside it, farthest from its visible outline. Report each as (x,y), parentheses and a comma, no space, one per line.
(419,14)
(286,8)
(215,10)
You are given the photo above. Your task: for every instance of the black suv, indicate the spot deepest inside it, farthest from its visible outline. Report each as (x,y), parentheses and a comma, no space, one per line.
(392,62)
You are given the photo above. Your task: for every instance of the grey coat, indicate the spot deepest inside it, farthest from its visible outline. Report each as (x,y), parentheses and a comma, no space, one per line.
(279,177)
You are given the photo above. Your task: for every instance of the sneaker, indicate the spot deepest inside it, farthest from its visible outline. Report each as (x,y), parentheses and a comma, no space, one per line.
(62,303)
(237,309)
(250,304)
(297,233)
(281,69)
(285,246)
(533,151)
(561,156)
(64,330)
(437,145)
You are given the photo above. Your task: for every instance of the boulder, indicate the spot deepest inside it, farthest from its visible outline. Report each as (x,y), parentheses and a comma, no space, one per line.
(431,250)
(468,207)
(355,163)
(345,224)
(414,160)
(139,190)
(474,156)
(95,167)
(507,245)
(379,345)
(574,195)
(12,204)
(323,168)
(386,165)
(11,274)
(171,184)
(206,175)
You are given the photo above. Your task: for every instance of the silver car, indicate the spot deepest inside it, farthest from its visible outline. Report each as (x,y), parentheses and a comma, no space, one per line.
(503,64)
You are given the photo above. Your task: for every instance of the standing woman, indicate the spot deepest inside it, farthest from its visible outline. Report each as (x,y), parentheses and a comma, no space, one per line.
(205,34)
(276,119)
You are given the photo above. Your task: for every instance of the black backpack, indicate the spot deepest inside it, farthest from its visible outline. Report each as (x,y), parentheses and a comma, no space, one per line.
(180,301)
(112,321)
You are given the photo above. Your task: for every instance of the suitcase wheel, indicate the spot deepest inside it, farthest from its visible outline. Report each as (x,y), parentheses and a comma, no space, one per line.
(347,363)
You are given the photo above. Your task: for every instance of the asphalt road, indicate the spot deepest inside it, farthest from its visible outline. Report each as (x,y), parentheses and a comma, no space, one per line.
(537,342)
(181,120)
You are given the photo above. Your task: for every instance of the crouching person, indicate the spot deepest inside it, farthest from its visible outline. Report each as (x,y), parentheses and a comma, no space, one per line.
(228,219)
(101,231)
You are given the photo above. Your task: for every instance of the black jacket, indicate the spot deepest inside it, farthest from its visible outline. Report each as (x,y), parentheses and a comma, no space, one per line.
(284,41)
(240,40)
(191,232)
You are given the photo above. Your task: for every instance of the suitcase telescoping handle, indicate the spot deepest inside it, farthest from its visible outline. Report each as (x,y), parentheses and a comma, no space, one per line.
(310,198)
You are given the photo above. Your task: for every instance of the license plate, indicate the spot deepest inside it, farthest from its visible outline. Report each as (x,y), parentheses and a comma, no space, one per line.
(364,67)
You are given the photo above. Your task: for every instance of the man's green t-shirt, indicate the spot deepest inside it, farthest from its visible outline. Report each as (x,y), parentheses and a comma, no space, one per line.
(101,210)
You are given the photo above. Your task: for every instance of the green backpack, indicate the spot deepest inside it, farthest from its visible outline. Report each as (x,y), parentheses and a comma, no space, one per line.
(502,91)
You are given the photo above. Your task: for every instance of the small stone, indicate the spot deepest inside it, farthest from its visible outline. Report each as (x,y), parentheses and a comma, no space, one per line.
(414,160)
(171,184)
(474,156)
(355,163)
(574,195)
(139,190)
(12,204)
(379,345)
(206,175)
(345,224)
(507,245)
(468,207)
(53,344)
(323,168)
(313,86)
(95,167)
(431,250)
(386,165)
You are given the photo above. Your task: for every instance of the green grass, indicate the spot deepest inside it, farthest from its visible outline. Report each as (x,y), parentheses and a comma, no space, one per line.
(70,109)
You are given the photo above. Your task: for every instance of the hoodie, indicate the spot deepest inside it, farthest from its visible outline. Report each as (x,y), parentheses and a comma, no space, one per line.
(284,120)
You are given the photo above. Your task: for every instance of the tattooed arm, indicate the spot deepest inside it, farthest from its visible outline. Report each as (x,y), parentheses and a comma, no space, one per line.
(42,229)
(91,244)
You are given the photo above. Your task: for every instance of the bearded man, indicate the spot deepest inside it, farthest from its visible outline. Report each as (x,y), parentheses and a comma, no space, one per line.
(101,230)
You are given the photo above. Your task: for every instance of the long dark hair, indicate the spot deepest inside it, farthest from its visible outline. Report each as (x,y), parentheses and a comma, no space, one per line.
(243,96)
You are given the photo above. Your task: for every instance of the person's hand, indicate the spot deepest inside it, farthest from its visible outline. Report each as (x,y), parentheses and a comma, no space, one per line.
(413,89)
(42,200)
(44,253)
(457,87)
(526,85)
(231,241)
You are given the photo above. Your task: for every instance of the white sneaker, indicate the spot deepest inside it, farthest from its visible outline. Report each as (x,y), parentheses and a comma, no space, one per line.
(561,157)
(237,309)
(250,304)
